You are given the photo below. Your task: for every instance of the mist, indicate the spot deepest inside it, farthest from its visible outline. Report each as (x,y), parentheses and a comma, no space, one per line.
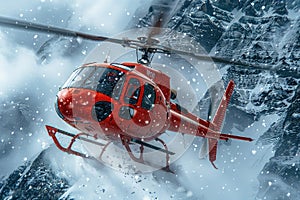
(29,87)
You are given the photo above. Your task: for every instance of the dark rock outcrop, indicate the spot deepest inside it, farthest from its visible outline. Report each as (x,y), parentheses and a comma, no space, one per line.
(33,180)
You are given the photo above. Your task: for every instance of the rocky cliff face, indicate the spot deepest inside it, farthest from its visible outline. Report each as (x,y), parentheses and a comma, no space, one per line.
(33,180)
(263,33)
(200,20)
(268,33)
(280,177)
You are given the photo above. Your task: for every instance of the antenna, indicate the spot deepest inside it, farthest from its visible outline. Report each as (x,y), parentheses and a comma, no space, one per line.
(107,57)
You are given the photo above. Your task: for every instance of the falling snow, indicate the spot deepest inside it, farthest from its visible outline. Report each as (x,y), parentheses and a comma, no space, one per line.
(28,90)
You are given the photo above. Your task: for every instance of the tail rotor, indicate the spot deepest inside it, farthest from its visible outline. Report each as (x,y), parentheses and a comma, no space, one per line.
(210,145)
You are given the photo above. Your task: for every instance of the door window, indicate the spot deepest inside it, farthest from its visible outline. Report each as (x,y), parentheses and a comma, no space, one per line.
(148,97)
(132,92)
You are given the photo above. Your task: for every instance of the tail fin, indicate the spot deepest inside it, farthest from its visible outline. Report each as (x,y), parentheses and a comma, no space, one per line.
(220,114)
(218,121)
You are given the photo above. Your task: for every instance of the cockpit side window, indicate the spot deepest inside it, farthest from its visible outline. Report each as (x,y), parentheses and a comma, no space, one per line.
(132,92)
(111,82)
(104,80)
(74,79)
(148,97)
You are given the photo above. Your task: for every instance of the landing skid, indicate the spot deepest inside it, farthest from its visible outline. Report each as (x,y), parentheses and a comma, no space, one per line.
(53,131)
(126,142)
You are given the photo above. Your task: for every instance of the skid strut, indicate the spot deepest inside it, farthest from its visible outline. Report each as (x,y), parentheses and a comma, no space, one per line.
(167,167)
(140,159)
(125,142)
(103,150)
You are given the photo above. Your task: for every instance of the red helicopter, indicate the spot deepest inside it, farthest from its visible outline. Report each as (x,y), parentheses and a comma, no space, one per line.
(129,102)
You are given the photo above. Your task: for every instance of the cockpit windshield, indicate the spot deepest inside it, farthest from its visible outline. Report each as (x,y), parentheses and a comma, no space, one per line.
(104,80)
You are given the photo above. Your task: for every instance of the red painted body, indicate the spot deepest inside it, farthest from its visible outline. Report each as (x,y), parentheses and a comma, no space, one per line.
(122,102)
(75,104)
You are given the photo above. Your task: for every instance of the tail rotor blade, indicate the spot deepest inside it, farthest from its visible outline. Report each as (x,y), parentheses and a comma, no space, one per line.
(203,152)
(213,100)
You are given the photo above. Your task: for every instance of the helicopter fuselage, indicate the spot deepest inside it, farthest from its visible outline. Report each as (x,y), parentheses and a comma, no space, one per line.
(114,100)
(130,102)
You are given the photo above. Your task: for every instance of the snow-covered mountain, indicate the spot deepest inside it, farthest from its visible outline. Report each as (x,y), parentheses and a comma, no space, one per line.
(265,106)
(267,32)
(34,180)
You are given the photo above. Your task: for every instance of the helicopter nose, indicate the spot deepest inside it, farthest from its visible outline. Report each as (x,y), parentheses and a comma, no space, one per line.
(64,104)
(83,105)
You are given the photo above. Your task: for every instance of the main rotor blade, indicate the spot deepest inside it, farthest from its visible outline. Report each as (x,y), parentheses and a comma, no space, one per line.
(222,60)
(24,25)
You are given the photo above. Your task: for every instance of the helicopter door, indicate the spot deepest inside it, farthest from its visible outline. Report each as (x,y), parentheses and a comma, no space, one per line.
(130,97)
(141,117)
